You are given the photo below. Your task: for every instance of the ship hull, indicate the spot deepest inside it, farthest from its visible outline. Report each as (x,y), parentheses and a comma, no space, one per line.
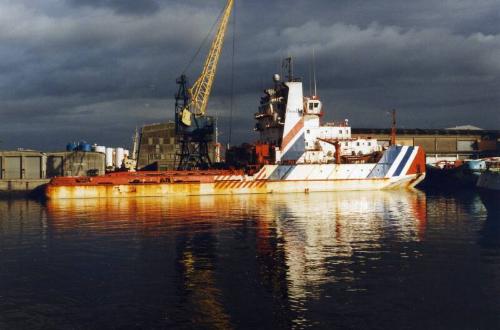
(489,180)
(400,167)
(464,175)
(227,188)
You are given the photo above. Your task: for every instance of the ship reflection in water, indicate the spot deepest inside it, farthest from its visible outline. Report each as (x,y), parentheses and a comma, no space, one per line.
(352,260)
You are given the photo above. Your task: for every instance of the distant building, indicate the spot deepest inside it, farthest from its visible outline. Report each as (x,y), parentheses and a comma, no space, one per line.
(441,144)
(23,171)
(466,127)
(75,163)
(22,164)
(157,147)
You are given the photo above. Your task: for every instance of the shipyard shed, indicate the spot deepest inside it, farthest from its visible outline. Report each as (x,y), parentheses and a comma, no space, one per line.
(26,171)
(75,163)
(22,171)
(441,144)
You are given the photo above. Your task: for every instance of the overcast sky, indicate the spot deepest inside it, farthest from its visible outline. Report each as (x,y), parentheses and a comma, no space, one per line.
(96,69)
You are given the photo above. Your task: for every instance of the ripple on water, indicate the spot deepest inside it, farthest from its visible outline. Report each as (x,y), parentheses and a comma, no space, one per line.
(351,260)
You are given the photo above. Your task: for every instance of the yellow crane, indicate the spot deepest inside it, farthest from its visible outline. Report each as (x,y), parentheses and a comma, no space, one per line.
(194,129)
(200,91)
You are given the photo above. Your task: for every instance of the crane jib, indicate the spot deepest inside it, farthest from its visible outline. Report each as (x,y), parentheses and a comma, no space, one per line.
(200,91)
(194,129)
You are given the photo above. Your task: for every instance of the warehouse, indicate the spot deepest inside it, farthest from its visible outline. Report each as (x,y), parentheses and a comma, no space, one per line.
(441,144)
(24,171)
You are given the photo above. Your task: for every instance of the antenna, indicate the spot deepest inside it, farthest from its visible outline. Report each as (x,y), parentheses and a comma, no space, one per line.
(310,76)
(287,67)
(393,128)
(314,74)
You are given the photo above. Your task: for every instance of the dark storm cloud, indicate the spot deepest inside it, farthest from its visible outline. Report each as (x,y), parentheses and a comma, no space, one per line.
(121,6)
(95,69)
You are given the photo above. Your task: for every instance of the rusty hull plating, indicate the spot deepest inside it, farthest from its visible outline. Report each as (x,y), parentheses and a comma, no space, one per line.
(297,178)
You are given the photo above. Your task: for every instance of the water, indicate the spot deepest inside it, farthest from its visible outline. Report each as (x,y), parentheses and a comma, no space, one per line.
(377,260)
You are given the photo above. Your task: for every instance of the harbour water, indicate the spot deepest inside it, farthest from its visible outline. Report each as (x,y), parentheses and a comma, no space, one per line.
(357,260)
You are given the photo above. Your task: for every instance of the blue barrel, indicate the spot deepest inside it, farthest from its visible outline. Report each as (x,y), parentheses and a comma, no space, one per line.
(72,146)
(84,146)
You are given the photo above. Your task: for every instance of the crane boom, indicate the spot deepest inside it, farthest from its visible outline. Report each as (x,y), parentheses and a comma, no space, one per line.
(200,91)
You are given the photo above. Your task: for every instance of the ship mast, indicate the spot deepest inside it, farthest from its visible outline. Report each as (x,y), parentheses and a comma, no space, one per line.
(393,128)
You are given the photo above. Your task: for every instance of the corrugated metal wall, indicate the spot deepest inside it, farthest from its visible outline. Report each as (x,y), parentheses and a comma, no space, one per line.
(428,144)
(17,165)
(446,145)
(32,167)
(466,145)
(12,167)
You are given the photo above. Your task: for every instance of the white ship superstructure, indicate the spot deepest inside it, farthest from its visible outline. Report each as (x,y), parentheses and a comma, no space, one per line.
(289,124)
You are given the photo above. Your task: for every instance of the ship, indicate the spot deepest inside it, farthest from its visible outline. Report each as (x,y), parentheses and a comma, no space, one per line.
(459,173)
(490,178)
(295,153)
(488,186)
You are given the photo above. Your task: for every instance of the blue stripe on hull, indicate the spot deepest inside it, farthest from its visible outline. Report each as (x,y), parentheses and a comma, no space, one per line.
(403,162)
(384,164)
(296,150)
(281,172)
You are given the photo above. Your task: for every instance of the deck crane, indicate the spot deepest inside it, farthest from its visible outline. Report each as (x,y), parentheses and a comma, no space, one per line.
(194,129)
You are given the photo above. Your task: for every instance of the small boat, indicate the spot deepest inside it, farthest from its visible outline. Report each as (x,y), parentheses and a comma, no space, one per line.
(490,178)
(488,186)
(463,173)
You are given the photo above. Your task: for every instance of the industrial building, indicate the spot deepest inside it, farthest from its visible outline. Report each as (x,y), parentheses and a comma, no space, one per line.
(158,148)
(75,163)
(22,164)
(441,144)
(23,171)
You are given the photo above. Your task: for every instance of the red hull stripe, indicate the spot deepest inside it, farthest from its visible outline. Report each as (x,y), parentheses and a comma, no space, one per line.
(293,132)
(418,164)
